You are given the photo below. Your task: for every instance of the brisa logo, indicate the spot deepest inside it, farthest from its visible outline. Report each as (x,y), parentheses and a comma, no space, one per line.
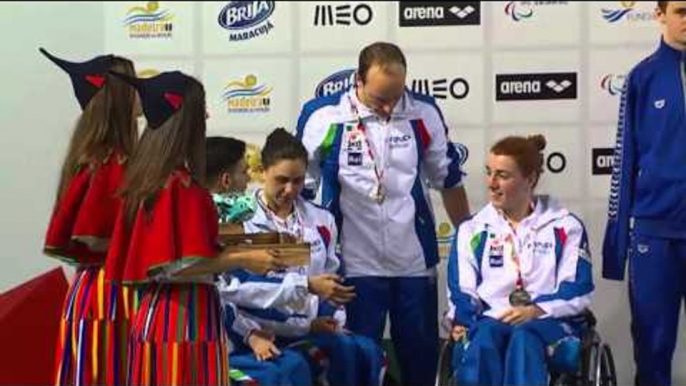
(613,83)
(247,96)
(336,82)
(628,12)
(149,22)
(246,19)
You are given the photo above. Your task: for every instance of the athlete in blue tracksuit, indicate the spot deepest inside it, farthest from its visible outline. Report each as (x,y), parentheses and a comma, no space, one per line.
(647,210)
(374,150)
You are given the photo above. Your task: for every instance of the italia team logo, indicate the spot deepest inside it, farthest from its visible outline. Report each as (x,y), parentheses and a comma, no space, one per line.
(613,83)
(149,22)
(246,20)
(626,11)
(247,96)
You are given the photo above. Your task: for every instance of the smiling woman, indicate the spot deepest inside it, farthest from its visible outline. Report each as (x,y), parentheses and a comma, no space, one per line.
(519,268)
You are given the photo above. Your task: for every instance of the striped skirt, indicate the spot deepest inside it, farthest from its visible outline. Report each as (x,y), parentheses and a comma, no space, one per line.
(178,337)
(94,330)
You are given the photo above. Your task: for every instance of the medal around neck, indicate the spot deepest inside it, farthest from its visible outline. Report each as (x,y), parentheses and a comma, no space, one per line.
(378,194)
(520,298)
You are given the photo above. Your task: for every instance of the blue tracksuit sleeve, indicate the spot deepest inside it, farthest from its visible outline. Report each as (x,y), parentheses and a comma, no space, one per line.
(463,276)
(616,243)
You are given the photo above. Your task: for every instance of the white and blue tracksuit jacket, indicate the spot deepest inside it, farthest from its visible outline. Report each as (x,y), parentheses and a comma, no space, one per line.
(280,301)
(397,237)
(648,188)
(553,251)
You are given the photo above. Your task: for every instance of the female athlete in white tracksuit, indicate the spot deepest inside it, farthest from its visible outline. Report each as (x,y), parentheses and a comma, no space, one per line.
(518,273)
(295,307)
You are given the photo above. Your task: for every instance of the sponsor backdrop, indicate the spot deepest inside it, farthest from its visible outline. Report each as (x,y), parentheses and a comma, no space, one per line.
(495,68)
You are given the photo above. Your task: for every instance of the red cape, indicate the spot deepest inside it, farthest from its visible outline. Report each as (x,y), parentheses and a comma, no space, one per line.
(181,226)
(83,220)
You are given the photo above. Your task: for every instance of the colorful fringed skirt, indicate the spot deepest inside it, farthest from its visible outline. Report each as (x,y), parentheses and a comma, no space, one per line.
(94,330)
(178,337)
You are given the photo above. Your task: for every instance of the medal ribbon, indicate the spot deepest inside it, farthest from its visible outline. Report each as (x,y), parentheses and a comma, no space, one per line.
(282,226)
(378,170)
(519,285)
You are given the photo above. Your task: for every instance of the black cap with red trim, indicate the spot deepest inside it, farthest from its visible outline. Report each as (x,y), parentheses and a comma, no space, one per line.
(161,95)
(87,77)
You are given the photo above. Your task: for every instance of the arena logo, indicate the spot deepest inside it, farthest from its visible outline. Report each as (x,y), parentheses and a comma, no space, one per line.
(439,13)
(246,19)
(149,22)
(613,83)
(523,10)
(247,96)
(539,86)
(603,158)
(335,83)
(457,88)
(627,11)
(342,15)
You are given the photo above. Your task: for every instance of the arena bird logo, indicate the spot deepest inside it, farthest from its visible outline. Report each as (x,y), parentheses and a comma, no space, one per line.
(247,96)
(149,22)
(342,15)
(613,83)
(439,13)
(540,86)
(523,10)
(626,11)
(336,82)
(247,19)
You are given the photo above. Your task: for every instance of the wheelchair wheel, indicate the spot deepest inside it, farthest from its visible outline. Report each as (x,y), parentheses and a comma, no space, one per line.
(444,377)
(608,376)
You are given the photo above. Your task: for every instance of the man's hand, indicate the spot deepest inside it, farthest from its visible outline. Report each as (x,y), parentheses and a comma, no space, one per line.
(328,287)
(458,332)
(324,325)
(262,346)
(520,315)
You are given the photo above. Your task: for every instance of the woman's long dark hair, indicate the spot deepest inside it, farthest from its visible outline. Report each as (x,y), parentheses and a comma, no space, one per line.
(178,142)
(107,123)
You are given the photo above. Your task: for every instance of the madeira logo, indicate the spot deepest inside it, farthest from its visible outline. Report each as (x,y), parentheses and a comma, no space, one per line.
(149,22)
(247,96)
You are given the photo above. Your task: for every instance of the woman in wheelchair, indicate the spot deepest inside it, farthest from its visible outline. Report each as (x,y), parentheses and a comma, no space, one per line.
(298,307)
(518,273)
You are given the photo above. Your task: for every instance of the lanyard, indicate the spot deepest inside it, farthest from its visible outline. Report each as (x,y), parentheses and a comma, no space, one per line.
(294,228)
(379,168)
(515,259)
